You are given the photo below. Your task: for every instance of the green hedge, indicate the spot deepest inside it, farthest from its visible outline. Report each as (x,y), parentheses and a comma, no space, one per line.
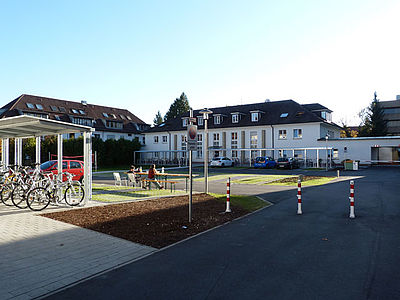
(109,152)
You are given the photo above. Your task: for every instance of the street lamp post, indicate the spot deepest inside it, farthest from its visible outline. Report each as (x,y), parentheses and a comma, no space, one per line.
(326,150)
(205,113)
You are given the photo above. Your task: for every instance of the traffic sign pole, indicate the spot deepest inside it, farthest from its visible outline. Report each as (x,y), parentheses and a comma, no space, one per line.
(192,132)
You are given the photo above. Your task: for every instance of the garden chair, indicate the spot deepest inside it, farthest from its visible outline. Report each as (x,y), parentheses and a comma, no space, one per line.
(134,179)
(118,180)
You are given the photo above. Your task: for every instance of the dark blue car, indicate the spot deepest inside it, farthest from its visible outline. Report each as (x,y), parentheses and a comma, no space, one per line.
(264,162)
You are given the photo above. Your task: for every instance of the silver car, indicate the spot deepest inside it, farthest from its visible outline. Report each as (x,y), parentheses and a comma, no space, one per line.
(221,162)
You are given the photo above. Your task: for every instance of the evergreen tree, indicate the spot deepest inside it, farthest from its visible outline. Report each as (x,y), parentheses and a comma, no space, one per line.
(373,122)
(180,106)
(158,119)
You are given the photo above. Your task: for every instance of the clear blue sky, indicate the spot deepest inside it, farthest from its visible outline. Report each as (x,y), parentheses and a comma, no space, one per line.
(141,55)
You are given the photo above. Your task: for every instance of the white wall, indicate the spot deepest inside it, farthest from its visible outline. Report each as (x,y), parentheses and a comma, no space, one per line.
(359,148)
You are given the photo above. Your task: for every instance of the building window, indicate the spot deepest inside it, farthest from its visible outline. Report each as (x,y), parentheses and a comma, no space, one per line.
(155,139)
(235,118)
(122,117)
(217,119)
(62,109)
(112,124)
(81,121)
(254,116)
(53,108)
(30,105)
(253,143)
(39,106)
(183,144)
(200,121)
(297,133)
(81,112)
(185,122)
(284,115)
(74,111)
(199,146)
(57,117)
(216,139)
(282,134)
(129,118)
(144,140)
(164,139)
(234,143)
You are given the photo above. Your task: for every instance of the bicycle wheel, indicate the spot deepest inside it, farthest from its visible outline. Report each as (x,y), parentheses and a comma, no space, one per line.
(38,199)
(5,194)
(74,194)
(18,197)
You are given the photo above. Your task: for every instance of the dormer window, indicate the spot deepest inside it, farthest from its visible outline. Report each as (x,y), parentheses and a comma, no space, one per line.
(81,112)
(114,116)
(284,115)
(185,122)
(129,118)
(62,109)
(122,117)
(53,108)
(105,115)
(217,119)
(39,106)
(255,116)
(235,118)
(200,121)
(74,111)
(30,105)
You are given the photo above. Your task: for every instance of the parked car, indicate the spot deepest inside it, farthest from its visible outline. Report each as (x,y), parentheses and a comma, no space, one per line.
(221,162)
(75,167)
(287,163)
(264,162)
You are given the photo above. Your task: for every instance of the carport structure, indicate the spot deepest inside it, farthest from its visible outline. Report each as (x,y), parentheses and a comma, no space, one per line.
(21,127)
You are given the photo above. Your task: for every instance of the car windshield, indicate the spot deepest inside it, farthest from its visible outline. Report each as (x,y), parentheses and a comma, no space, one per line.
(282,159)
(260,159)
(47,164)
(217,158)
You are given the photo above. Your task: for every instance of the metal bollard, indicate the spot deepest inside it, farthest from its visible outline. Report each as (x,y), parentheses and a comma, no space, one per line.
(299,211)
(228,192)
(352,214)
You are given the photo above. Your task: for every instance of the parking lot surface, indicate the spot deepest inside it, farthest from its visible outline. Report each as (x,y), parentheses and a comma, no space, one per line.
(277,254)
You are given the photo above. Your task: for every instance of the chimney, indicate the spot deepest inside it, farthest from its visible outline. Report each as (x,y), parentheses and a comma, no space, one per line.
(84,102)
(397,97)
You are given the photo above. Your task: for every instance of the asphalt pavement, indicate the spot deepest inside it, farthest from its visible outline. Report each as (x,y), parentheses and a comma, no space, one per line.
(277,254)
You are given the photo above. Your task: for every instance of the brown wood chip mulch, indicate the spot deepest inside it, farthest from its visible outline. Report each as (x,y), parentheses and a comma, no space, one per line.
(156,223)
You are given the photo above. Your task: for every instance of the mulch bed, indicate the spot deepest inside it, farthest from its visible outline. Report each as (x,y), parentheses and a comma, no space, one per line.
(156,223)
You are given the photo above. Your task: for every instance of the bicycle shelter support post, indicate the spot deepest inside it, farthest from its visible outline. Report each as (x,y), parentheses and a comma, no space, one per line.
(5,153)
(59,162)
(87,166)
(37,151)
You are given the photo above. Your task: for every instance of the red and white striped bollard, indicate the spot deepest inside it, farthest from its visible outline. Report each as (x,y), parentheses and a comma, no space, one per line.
(299,212)
(352,214)
(228,192)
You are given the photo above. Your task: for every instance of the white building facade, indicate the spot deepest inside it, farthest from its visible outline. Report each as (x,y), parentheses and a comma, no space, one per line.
(244,132)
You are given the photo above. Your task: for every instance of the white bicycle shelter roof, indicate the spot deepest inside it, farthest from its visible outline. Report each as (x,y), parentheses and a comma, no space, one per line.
(28,126)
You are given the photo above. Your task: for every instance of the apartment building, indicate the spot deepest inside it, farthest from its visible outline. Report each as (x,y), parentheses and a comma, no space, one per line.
(108,122)
(276,125)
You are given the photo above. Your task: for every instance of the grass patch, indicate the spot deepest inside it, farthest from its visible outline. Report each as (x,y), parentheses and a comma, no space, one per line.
(249,203)
(261,179)
(104,193)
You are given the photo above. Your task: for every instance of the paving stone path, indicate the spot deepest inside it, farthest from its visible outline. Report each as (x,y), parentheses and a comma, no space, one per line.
(40,255)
